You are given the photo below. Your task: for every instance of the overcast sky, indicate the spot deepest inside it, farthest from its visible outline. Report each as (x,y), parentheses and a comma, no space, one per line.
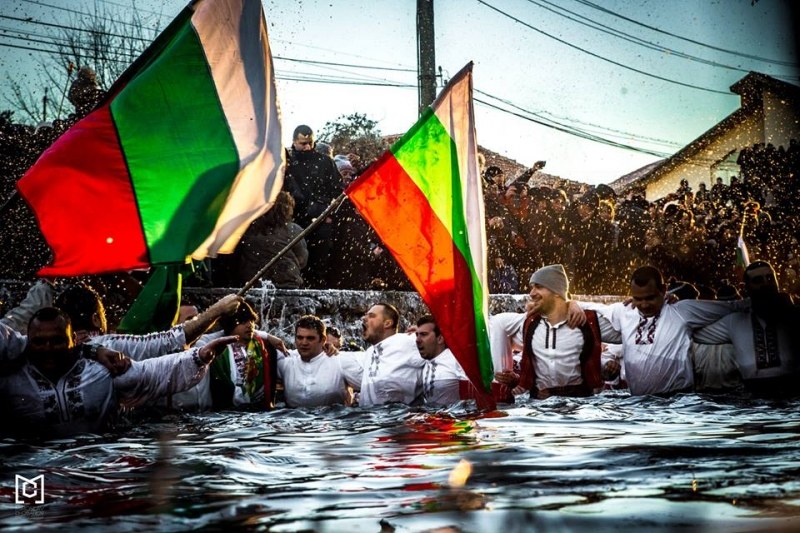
(647,74)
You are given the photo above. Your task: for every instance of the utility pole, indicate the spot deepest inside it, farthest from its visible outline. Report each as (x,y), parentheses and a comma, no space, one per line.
(426,57)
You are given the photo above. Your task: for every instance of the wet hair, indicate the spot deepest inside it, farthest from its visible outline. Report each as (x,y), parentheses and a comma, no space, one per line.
(302,130)
(391,313)
(49,314)
(728,292)
(754,265)
(706,292)
(644,275)
(80,302)
(311,322)
(428,319)
(243,314)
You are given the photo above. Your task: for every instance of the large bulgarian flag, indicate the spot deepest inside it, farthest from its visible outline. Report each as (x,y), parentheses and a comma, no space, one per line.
(181,156)
(424,199)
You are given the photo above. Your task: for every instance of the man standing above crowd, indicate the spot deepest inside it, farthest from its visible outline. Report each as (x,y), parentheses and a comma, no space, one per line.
(766,339)
(656,338)
(313,181)
(392,367)
(310,377)
(558,360)
(442,375)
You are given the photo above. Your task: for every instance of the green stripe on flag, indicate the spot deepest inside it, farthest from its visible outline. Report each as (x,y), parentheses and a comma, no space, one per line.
(178,147)
(156,307)
(427,153)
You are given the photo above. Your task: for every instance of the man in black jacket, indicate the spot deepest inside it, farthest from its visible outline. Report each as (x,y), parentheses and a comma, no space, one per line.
(313,181)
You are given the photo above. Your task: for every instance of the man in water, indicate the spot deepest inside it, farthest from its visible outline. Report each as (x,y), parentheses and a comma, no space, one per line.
(54,391)
(656,338)
(311,377)
(392,367)
(441,375)
(558,360)
(765,338)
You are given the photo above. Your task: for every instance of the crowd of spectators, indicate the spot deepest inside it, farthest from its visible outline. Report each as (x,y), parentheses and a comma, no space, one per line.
(689,235)
(600,237)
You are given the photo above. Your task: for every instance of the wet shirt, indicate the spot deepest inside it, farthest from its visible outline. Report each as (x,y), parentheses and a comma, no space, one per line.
(141,347)
(505,334)
(323,380)
(656,350)
(557,349)
(440,379)
(86,397)
(737,329)
(392,372)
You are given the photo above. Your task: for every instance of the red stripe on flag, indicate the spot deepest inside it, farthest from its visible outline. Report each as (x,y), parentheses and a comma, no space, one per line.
(83,176)
(401,215)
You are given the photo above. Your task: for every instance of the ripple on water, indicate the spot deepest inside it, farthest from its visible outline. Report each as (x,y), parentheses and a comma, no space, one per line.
(603,463)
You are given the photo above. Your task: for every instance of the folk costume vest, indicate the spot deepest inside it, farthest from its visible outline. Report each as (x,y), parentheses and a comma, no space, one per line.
(589,358)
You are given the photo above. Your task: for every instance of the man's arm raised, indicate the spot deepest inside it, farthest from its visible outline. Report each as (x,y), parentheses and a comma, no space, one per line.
(201,323)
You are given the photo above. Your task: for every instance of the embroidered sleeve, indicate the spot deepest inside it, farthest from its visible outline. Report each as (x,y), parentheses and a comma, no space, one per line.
(153,378)
(141,347)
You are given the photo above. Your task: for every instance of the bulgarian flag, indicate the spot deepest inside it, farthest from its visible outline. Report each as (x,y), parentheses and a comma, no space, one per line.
(424,199)
(181,156)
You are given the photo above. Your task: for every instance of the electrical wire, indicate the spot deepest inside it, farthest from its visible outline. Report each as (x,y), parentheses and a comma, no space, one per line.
(699,43)
(598,56)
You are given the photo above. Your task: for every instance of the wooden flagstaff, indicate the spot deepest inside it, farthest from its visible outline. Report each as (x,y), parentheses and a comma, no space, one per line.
(316,222)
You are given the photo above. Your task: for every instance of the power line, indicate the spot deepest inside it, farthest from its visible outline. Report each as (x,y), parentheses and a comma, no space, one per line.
(699,43)
(580,19)
(314,62)
(571,131)
(605,130)
(31,20)
(84,14)
(626,67)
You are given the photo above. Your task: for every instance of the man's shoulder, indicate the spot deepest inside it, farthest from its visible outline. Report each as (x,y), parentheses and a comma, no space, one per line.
(400,340)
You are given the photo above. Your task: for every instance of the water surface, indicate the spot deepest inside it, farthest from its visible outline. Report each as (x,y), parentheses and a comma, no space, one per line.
(607,463)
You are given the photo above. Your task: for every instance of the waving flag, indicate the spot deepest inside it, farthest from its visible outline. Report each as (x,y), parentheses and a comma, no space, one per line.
(424,199)
(184,153)
(742,257)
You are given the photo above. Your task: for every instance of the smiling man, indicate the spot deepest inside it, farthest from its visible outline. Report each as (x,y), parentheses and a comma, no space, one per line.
(310,377)
(558,360)
(656,338)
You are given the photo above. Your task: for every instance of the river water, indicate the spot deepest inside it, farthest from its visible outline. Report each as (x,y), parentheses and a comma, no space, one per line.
(607,463)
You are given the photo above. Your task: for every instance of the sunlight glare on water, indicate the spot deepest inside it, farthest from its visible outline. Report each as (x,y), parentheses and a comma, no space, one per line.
(612,462)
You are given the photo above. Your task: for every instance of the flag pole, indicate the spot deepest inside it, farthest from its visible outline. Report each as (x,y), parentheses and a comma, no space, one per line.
(314,223)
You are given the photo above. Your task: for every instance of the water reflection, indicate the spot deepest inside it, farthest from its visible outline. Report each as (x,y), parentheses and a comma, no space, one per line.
(609,462)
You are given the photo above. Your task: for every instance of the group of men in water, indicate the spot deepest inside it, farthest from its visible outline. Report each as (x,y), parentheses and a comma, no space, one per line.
(66,374)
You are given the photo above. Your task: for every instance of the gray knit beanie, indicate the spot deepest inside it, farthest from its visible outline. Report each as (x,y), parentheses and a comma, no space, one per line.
(552,277)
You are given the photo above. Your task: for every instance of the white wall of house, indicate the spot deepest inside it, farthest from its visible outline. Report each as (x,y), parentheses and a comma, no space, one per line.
(699,167)
(775,121)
